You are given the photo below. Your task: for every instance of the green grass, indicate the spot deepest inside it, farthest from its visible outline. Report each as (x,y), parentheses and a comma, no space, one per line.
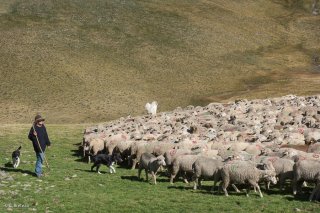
(90,192)
(87,61)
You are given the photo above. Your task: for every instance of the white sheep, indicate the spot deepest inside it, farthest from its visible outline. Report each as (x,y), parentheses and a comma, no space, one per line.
(112,141)
(150,163)
(306,170)
(205,167)
(171,155)
(240,172)
(183,164)
(282,166)
(138,149)
(96,145)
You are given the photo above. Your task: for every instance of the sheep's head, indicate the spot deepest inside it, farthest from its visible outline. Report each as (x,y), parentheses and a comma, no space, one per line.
(270,176)
(161,160)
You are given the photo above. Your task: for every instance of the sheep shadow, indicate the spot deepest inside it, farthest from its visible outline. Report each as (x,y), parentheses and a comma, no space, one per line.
(300,197)
(8,169)
(77,144)
(93,172)
(205,189)
(276,192)
(82,160)
(131,178)
(76,152)
(182,188)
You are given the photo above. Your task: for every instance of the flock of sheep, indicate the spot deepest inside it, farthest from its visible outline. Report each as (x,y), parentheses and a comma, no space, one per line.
(245,142)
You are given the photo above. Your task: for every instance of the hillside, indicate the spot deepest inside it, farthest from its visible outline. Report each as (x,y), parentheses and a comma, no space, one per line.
(90,61)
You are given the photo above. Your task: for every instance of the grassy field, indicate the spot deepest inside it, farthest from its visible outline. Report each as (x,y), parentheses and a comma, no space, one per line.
(80,61)
(87,61)
(71,187)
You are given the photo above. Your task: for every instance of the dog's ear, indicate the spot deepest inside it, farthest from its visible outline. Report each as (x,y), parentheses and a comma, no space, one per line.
(19,148)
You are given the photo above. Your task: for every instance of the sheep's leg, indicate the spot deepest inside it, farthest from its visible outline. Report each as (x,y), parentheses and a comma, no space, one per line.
(313,192)
(282,180)
(185,178)
(215,181)
(214,186)
(317,197)
(225,184)
(139,173)
(200,183)
(174,173)
(235,188)
(172,177)
(299,186)
(147,179)
(294,185)
(219,188)
(89,160)
(129,160)
(154,177)
(256,185)
(134,162)
(267,183)
(248,190)
(195,184)
(169,170)
(195,181)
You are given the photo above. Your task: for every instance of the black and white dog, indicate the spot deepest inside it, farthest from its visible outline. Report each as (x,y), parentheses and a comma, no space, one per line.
(108,160)
(16,157)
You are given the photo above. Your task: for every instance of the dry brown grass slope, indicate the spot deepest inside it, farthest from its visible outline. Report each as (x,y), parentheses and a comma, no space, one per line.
(91,61)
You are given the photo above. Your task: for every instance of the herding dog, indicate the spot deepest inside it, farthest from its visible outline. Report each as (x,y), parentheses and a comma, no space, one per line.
(16,157)
(108,160)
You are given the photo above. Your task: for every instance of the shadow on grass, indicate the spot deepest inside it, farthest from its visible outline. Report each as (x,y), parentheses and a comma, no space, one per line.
(76,152)
(186,187)
(131,178)
(277,192)
(142,179)
(8,169)
(94,171)
(8,165)
(86,170)
(82,160)
(301,197)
